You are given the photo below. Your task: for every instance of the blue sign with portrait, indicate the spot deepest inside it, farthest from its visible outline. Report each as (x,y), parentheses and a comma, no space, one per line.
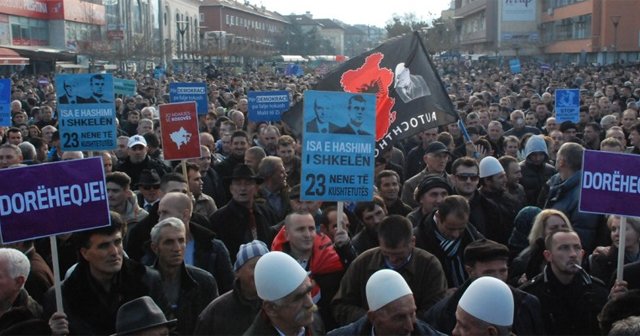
(87,113)
(338,149)
(5,102)
(186,92)
(267,105)
(567,105)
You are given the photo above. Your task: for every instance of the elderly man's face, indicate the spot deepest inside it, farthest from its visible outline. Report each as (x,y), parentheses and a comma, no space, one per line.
(396,318)
(243,190)
(296,309)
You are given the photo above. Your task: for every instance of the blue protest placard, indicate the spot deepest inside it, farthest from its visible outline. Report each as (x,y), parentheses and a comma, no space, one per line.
(610,183)
(5,102)
(338,150)
(38,203)
(514,65)
(125,87)
(87,113)
(267,105)
(186,92)
(567,105)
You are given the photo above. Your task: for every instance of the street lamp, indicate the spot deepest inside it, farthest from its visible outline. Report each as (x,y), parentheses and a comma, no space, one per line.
(615,20)
(182,26)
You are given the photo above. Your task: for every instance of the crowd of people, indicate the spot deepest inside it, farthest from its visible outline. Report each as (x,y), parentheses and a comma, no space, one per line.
(465,236)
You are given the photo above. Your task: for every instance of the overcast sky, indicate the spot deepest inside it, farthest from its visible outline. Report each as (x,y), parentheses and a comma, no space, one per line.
(368,12)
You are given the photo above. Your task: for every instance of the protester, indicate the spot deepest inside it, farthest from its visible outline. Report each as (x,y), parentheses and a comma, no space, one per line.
(392,309)
(472,315)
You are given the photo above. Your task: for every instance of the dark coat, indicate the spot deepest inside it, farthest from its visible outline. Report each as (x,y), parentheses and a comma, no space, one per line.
(40,276)
(398,208)
(364,240)
(632,275)
(426,240)
(312,126)
(363,327)
(210,255)
(92,311)
(23,310)
(534,178)
(565,196)
(197,289)
(231,224)
(508,207)
(568,309)
(213,185)
(262,326)
(229,314)
(133,170)
(527,319)
(423,273)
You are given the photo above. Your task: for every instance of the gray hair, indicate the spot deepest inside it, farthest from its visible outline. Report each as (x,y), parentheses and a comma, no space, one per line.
(28,151)
(626,327)
(173,222)
(18,264)
(268,166)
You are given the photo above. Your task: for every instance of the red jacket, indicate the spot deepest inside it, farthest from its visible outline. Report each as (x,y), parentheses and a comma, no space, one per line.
(324,258)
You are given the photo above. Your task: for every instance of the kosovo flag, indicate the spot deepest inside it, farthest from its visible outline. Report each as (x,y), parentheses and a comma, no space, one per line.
(410,97)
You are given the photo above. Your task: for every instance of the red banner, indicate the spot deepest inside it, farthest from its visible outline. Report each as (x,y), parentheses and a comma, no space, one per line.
(179,124)
(37,9)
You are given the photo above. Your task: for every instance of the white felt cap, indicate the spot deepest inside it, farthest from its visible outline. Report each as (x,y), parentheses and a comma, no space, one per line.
(277,275)
(490,300)
(490,166)
(384,287)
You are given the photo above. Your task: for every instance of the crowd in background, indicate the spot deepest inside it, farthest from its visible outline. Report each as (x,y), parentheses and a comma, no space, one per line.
(448,210)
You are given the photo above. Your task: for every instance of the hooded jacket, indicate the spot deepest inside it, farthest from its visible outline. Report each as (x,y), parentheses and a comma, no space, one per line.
(534,177)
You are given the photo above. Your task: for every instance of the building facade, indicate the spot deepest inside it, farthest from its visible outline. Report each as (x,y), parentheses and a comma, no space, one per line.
(591,31)
(235,31)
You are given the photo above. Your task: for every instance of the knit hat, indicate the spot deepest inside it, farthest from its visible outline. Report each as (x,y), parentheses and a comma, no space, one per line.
(384,287)
(490,300)
(277,275)
(432,181)
(521,226)
(490,166)
(249,251)
(535,144)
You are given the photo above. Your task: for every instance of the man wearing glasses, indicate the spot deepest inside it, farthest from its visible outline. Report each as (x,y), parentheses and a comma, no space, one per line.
(465,183)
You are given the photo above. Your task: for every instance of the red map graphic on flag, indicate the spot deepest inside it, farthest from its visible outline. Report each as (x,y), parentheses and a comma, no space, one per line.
(371,78)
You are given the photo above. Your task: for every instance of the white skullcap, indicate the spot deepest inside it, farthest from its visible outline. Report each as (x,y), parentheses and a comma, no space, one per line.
(277,275)
(384,287)
(490,300)
(490,166)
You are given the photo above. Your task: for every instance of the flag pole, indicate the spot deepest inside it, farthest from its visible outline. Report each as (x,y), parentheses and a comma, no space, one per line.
(53,242)
(622,229)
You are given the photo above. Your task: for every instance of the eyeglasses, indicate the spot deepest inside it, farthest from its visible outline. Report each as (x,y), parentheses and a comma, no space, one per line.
(149,187)
(467,177)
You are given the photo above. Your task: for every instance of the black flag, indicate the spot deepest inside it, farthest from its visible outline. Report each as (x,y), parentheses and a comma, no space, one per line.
(410,95)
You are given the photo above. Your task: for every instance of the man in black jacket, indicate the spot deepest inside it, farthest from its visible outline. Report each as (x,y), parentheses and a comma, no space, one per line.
(233,312)
(189,289)
(570,298)
(485,257)
(445,233)
(242,220)
(103,280)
